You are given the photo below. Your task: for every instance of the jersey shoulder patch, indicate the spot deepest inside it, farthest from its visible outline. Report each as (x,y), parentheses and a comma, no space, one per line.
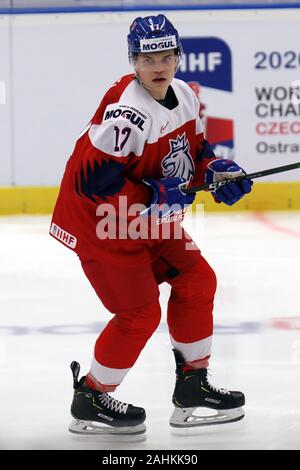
(124,130)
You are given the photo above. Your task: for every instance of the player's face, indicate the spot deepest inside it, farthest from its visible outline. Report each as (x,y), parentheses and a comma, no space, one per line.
(156,71)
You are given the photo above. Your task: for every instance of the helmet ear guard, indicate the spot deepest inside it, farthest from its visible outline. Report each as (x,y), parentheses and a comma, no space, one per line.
(152,34)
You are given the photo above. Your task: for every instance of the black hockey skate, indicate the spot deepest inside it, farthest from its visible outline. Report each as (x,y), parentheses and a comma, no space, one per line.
(193,390)
(96,412)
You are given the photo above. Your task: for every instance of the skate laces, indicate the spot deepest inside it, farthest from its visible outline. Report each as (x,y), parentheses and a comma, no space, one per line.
(223,391)
(113,404)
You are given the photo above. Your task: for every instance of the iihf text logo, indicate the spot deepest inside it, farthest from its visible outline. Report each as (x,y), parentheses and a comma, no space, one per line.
(208,61)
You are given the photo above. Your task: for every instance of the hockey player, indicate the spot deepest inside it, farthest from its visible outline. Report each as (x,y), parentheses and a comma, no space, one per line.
(144,144)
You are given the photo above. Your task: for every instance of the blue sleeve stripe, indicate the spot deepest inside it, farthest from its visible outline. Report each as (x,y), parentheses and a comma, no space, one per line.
(94,9)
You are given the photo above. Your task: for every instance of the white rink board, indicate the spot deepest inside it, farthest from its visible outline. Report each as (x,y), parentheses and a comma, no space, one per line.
(63,64)
(6,159)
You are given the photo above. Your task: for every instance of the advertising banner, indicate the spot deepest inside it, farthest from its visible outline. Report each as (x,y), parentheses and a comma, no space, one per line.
(243,65)
(247,77)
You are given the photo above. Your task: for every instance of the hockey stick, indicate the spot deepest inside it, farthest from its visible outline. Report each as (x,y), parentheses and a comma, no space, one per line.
(258,174)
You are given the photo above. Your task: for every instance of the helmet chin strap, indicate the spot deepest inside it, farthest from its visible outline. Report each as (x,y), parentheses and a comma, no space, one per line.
(179,57)
(138,78)
(140,81)
(142,84)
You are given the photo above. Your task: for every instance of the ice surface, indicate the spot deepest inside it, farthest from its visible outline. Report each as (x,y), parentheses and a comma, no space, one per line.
(51,316)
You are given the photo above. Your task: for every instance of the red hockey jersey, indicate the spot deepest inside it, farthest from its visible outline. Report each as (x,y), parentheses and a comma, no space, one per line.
(131,136)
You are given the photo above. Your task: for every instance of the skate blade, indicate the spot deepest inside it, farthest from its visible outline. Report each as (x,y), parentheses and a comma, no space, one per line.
(94,428)
(187,418)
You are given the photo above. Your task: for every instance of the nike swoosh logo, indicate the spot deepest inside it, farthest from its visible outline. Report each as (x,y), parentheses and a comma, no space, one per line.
(162,129)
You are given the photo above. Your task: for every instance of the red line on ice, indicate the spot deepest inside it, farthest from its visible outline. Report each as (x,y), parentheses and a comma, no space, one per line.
(262,218)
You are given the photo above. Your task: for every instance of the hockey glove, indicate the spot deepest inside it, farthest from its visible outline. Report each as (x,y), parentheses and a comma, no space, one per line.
(167,195)
(232,192)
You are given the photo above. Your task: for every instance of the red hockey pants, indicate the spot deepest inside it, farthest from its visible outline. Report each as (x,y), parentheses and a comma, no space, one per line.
(132,294)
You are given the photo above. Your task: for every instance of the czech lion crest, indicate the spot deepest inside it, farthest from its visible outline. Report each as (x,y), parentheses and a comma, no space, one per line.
(178,162)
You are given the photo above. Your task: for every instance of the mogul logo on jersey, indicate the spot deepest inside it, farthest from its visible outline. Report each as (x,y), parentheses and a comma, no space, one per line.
(127,113)
(208,61)
(63,236)
(158,44)
(178,162)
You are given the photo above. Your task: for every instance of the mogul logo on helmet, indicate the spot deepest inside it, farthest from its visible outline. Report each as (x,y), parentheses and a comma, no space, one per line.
(178,162)
(158,44)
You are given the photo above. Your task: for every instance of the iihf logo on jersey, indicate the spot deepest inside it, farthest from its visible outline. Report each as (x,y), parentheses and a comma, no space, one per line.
(179,162)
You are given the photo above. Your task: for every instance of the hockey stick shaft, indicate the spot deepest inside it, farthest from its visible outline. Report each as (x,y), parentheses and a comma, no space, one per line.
(258,174)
